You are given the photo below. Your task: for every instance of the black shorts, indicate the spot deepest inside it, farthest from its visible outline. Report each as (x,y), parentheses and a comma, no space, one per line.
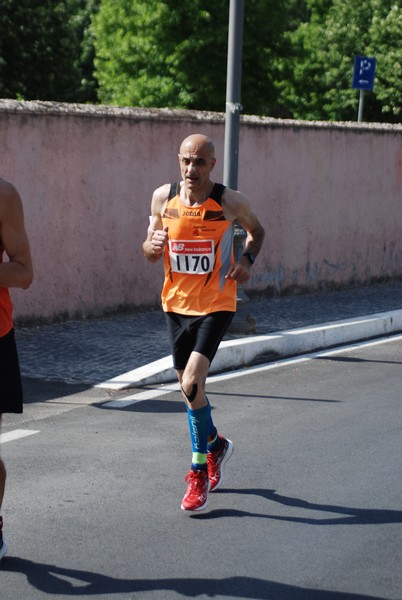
(201,334)
(10,377)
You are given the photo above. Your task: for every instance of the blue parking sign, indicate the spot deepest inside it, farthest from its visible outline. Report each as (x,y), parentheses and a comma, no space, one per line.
(364,72)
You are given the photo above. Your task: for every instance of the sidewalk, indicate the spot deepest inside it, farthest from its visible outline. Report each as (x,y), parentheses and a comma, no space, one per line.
(128,350)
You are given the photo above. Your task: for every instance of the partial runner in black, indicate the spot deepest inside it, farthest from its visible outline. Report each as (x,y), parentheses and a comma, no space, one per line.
(16,272)
(10,377)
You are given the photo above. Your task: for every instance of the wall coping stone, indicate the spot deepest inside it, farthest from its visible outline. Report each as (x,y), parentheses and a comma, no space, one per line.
(39,107)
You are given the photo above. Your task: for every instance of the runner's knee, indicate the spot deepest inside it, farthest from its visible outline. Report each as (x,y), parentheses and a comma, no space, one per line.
(191,395)
(190,386)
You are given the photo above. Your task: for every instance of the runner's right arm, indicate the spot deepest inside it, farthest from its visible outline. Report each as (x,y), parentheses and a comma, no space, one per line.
(157,235)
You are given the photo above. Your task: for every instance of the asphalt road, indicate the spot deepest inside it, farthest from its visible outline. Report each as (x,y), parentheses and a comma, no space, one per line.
(310,510)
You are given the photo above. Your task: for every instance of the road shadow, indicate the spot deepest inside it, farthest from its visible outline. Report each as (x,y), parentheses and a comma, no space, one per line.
(147,406)
(54,580)
(271,397)
(353,359)
(42,390)
(345,515)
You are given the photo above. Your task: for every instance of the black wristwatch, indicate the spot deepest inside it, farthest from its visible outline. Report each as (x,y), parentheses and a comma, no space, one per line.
(250,256)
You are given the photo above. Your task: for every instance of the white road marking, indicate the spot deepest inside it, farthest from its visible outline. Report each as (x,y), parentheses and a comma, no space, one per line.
(16,434)
(166,389)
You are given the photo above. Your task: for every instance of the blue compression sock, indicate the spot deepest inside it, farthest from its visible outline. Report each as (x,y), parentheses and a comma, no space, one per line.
(198,422)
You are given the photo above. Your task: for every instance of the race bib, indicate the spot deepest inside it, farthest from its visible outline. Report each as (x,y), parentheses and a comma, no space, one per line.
(194,257)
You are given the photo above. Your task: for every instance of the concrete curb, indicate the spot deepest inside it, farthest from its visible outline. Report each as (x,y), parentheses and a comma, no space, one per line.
(242,352)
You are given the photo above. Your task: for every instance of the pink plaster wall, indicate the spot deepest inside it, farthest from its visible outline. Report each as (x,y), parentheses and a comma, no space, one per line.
(328,195)
(330,198)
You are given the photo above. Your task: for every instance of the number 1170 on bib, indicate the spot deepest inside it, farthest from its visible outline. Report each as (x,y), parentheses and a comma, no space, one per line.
(194,257)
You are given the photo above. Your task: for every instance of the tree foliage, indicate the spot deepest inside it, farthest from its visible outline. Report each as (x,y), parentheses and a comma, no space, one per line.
(317,81)
(170,54)
(297,54)
(41,51)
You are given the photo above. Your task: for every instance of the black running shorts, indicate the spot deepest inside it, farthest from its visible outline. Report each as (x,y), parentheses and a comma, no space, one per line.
(10,377)
(201,334)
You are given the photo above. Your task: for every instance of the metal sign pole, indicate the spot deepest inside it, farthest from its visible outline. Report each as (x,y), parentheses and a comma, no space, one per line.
(361,104)
(240,324)
(233,89)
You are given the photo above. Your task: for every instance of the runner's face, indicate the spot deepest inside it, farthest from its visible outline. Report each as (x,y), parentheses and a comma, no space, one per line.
(196,164)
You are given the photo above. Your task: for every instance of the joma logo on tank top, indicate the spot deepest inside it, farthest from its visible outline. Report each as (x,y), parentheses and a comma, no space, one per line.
(191,213)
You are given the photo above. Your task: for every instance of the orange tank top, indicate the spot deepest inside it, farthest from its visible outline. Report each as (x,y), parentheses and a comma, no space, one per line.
(197,257)
(6,308)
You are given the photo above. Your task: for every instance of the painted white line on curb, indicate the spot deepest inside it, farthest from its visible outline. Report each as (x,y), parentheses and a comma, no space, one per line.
(299,359)
(16,434)
(161,391)
(140,396)
(246,350)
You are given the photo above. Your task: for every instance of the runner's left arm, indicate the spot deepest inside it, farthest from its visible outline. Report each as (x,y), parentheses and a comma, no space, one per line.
(237,207)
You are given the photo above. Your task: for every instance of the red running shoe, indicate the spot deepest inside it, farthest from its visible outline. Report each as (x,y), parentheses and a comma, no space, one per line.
(215,463)
(196,496)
